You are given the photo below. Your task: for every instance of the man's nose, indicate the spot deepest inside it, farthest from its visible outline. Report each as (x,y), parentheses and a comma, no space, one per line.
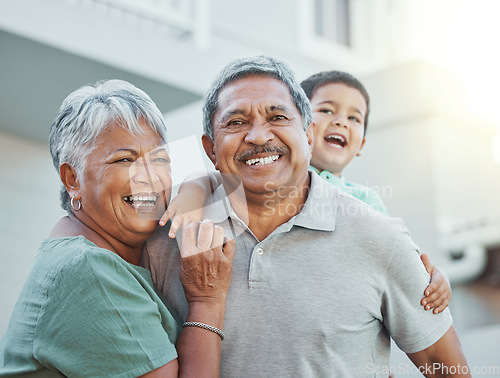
(259,134)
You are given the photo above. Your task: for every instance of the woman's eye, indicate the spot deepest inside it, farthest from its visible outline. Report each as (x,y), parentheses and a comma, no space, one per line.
(162,160)
(124,160)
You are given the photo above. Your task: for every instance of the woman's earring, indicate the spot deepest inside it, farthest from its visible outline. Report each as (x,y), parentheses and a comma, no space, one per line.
(73,205)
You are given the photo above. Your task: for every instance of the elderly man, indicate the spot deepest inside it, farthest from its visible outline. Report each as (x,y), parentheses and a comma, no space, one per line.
(320,281)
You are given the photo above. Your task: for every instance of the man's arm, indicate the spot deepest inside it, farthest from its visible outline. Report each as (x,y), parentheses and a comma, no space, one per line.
(442,359)
(429,340)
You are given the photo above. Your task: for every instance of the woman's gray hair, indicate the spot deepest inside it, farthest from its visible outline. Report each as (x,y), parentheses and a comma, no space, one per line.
(88,112)
(259,66)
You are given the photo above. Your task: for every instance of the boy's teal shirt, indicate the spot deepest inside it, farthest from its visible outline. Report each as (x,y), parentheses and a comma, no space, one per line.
(363,193)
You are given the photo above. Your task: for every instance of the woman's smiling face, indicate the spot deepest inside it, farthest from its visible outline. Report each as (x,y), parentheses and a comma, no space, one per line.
(126,183)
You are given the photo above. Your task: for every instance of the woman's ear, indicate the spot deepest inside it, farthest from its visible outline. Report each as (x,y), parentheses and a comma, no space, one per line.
(69,178)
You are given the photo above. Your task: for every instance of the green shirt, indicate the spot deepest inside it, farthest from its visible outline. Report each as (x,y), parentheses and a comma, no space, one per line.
(84,311)
(363,193)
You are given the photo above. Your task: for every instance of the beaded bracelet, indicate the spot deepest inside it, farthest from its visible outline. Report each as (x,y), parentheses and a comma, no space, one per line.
(204,326)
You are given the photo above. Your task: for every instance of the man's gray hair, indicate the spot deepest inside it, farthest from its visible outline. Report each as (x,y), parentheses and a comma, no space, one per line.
(254,66)
(88,112)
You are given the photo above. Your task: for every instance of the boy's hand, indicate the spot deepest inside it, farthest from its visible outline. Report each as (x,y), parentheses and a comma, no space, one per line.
(438,293)
(186,207)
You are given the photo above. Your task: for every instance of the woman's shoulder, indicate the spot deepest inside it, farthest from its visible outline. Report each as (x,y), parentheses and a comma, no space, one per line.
(96,299)
(75,259)
(74,267)
(70,250)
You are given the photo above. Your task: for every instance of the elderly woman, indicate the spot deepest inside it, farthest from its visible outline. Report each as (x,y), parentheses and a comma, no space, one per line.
(88,308)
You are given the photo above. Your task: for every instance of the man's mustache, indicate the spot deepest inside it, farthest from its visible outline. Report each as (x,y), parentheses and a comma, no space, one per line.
(281,150)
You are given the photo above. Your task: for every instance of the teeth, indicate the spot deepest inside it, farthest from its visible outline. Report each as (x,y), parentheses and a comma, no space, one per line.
(338,137)
(141,198)
(263,161)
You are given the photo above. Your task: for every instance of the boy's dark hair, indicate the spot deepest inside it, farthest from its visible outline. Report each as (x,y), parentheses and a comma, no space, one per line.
(312,83)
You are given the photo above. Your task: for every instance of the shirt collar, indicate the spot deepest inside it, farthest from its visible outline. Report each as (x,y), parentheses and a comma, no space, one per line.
(220,207)
(329,176)
(319,211)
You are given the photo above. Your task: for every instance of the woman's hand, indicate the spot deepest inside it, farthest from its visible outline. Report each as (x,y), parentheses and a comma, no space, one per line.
(206,262)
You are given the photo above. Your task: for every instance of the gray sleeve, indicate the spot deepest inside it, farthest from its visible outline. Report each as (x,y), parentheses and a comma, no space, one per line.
(157,253)
(412,328)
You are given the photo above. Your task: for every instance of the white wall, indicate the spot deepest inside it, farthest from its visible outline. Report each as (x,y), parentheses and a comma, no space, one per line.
(185,128)
(434,155)
(238,21)
(467,179)
(29,190)
(397,161)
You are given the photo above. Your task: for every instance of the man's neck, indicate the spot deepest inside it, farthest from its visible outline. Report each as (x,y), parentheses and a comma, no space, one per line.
(267,211)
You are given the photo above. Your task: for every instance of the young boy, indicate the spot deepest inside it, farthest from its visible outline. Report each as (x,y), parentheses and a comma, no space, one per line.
(340,105)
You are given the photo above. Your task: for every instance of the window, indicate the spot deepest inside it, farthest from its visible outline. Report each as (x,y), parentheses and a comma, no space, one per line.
(332,20)
(347,34)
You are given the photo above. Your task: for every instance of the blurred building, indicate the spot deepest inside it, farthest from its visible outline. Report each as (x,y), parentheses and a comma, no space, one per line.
(428,150)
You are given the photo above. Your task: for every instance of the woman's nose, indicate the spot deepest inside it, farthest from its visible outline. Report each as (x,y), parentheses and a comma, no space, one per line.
(142,172)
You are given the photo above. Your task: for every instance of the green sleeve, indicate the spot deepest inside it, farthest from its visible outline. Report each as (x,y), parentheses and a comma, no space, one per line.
(102,318)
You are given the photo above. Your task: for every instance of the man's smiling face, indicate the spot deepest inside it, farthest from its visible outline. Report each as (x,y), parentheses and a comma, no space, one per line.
(258,135)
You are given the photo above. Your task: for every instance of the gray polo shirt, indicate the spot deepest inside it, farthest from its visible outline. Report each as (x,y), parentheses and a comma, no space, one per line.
(320,296)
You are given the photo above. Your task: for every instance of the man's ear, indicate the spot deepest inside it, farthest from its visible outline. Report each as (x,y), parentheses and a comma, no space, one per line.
(361,147)
(209,147)
(70,180)
(311,129)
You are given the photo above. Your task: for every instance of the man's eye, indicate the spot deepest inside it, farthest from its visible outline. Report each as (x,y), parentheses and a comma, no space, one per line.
(279,118)
(235,123)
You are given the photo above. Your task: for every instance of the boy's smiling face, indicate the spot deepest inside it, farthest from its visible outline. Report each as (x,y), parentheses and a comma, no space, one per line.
(339,113)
